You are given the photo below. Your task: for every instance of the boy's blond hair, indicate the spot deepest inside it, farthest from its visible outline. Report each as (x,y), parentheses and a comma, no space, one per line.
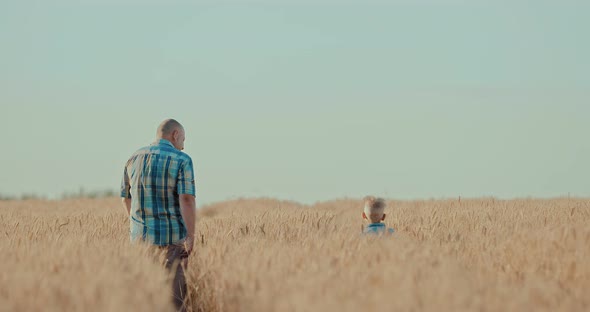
(374,208)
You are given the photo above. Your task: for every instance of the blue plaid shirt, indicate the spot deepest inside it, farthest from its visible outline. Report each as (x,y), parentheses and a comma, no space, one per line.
(377,228)
(154,177)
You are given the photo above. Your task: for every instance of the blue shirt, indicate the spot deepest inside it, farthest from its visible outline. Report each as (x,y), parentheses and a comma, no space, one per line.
(153,178)
(377,228)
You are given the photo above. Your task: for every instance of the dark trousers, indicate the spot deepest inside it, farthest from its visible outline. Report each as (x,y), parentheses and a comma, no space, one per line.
(175,261)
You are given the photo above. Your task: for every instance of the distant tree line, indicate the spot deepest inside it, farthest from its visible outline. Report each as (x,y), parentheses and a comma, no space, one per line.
(82,193)
(25,196)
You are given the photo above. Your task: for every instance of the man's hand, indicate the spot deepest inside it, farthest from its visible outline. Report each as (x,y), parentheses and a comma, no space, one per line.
(189,244)
(127,204)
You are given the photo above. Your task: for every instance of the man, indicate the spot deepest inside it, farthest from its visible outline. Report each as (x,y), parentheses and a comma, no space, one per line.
(158,191)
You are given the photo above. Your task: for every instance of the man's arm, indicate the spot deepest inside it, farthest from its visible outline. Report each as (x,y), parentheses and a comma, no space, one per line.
(127,204)
(126,191)
(188,210)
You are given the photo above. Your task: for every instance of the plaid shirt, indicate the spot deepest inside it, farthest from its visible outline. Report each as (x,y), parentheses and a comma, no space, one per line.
(378,228)
(154,177)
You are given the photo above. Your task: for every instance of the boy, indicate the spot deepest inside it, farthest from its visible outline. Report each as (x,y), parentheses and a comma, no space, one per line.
(373,212)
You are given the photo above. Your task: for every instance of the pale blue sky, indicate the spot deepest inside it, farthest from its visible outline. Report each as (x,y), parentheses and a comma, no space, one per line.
(302,100)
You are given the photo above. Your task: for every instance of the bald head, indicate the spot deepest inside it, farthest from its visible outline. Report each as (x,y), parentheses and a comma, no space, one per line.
(167,127)
(172,131)
(374,209)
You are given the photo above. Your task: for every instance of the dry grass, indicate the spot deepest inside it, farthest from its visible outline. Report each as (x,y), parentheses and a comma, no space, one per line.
(266,255)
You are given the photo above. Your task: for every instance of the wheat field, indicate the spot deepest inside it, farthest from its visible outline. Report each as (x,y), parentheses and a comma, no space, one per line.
(269,255)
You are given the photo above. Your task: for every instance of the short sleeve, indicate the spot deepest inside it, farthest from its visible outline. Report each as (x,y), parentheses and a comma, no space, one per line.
(125,186)
(186,178)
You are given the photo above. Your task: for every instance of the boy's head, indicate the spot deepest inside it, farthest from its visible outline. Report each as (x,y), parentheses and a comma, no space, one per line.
(374,208)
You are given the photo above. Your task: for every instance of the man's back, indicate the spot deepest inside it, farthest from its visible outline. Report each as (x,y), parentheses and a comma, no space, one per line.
(378,228)
(154,178)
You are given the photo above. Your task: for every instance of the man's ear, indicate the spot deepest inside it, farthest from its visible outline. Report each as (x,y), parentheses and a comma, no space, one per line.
(384,215)
(175,134)
(364,216)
